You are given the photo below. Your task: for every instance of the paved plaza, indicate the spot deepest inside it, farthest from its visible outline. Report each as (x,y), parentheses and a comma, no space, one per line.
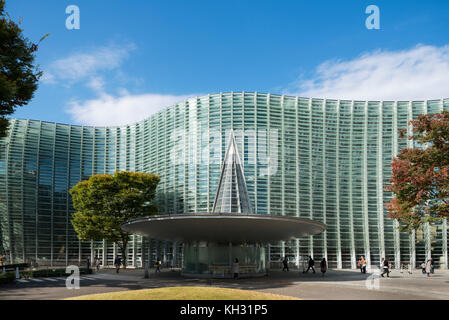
(336,285)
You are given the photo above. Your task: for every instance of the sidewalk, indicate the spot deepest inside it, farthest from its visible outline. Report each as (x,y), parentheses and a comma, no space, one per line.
(292,275)
(335,285)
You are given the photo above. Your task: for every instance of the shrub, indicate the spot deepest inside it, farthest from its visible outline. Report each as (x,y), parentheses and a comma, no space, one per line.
(21,266)
(7,277)
(57,272)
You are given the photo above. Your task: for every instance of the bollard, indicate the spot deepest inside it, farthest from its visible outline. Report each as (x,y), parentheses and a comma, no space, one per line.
(17,273)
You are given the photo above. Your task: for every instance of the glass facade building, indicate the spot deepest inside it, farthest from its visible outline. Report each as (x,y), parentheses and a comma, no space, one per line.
(321,159)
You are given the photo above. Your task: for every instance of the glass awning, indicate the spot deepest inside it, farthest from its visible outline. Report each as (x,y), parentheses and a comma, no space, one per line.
(232,193)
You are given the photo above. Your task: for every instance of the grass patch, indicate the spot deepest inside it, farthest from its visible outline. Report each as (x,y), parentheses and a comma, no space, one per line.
(185,293)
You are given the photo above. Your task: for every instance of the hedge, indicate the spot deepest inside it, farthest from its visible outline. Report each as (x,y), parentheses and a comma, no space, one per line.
(7,277)
(21,266)
(60,272)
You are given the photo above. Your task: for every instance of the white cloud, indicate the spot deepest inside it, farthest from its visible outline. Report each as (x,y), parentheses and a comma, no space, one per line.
(90,68)
(108,110)
(80,66)
(420,73)
(96,84)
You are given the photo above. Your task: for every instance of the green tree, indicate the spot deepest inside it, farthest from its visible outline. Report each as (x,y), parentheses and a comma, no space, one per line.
(104,202)
(18,75)
(420,175)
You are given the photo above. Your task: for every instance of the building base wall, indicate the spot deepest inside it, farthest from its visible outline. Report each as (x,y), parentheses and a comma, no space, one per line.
(216,260)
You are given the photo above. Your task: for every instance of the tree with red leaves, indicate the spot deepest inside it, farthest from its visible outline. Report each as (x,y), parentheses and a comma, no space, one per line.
(420,175)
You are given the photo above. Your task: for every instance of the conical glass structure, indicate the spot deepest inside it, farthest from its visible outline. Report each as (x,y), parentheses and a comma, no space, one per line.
(232,193)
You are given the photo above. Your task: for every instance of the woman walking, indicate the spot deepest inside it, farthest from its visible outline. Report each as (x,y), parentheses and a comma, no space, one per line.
(362,264)
(429,267)
(323,266)
(235,268)
(158,265)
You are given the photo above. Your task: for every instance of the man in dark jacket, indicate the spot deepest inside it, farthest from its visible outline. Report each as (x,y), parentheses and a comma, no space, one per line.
(386,268)
(311,264)
(285,263)
(117,263)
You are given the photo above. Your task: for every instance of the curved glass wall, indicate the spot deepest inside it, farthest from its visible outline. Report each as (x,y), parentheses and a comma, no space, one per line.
(216,259)
(327,160)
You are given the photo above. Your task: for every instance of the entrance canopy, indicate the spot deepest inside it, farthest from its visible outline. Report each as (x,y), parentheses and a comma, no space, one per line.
(231,220)
(223,227)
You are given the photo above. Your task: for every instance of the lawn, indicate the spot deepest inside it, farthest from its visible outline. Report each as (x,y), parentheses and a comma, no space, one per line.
(185,293)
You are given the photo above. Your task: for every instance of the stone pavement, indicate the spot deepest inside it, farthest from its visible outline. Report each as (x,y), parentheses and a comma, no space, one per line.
(337,284)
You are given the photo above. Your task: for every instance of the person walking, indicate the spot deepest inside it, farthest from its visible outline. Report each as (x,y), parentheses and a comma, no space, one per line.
(311,264)
(98,264)
(235,268)
(428,267)
(432,266)
(158,265)
(409,268)
(323,266)
(423,268)
(117,263)
(362,264)
(88,265)
(385,268)
(285,263)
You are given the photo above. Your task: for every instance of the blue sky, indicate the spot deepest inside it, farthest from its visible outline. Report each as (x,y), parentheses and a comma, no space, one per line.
(131,58)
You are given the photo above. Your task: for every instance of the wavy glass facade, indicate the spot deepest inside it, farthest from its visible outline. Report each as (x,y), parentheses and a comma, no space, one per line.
(327,160)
